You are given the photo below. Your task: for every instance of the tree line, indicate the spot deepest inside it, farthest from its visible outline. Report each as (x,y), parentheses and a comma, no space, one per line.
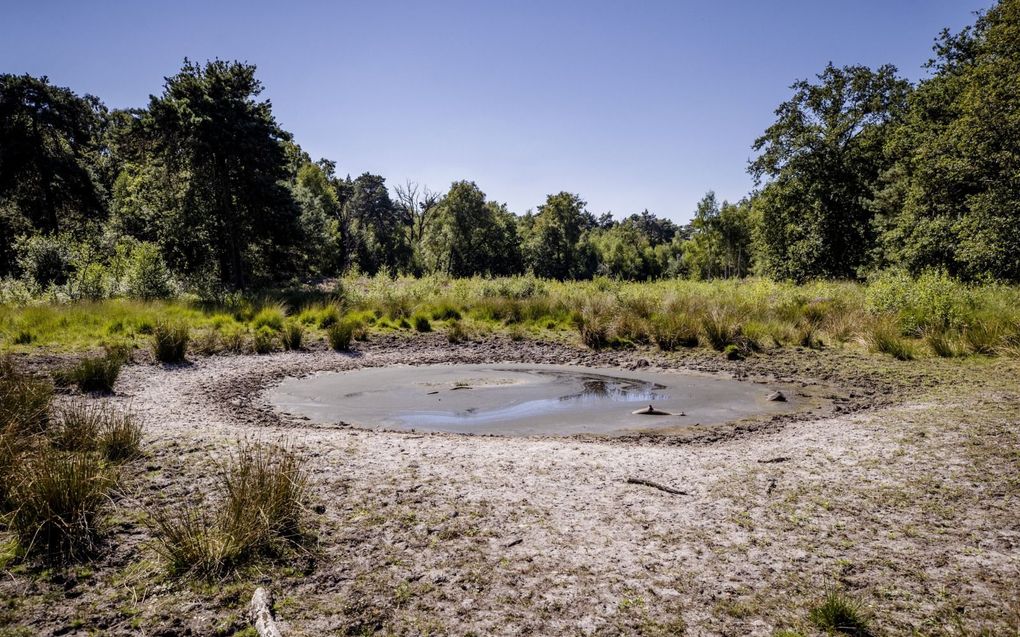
(860,171)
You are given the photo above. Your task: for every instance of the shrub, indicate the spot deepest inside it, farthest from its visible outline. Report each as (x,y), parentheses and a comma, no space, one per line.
(673,331)
(260,502)
(93,373)
(263,340)
(148,276)
(885,338)
(339,335)
(61,504)
(293,335)
(838,612)
(170,342)
(421,323)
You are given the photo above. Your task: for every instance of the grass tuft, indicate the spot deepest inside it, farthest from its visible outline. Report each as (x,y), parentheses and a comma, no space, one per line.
(673,331)
(259,505)
(838,612)
(885,338)
(263,340)
(170,342)
(61,501)
(339,334)
(293,336)
(93,373)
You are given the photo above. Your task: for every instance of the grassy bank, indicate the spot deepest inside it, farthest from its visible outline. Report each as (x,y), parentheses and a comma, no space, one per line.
(903,317)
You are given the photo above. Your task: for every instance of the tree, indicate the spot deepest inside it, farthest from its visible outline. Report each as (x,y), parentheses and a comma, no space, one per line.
(952,200)
(557,245)
(50,161)
(470,235)
(822,159)
(378,227)
(210,168)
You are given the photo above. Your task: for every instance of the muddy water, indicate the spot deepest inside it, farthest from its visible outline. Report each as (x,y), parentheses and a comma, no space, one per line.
(519,399)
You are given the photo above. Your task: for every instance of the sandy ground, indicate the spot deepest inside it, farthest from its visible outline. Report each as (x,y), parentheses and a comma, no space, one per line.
(900,487)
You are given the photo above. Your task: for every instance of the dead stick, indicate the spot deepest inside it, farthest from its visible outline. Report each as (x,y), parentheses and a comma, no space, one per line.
(656,485)
(261,611)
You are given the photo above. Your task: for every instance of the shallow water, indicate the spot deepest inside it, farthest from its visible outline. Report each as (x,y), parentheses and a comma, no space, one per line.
(519,399)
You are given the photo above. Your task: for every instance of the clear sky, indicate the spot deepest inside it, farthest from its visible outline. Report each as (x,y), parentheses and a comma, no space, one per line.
(632,104)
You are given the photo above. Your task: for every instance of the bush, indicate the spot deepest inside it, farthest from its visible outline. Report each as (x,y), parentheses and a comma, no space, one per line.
(264,340)
(673,331)
(61,504)
(260,503)
(148,276)
(293,335)
(838,612)
(93,373)
(170,342)
(45,259)
(340,334)
(421,323)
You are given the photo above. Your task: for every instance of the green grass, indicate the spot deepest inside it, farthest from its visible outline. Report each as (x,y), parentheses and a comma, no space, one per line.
(673,314)
(837,612)
(170,342)
(93,373)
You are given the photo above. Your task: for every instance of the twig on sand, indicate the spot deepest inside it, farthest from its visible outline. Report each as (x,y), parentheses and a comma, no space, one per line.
(261,612)
(774,460)
(656,485)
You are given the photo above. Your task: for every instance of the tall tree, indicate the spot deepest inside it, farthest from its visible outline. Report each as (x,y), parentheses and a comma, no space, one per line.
(557,245)
(821,159)
(953,198)
(50,160)
(212,154)
(470,235)
(379,227)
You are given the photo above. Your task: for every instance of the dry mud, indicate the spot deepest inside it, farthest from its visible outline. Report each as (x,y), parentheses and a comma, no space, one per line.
(899,486)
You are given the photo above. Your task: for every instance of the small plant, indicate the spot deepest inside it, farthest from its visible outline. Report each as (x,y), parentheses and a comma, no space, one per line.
(982,337)
(23,337)
(340,334)
(170,342)
(421,323)
(263,340)
(293,335)
(673,331)
(720,329)
(93,373)
(593,324)
(61,504)
(885,338)
(329,316)
(94,426)
(233,339)
(120,437)
(838,612)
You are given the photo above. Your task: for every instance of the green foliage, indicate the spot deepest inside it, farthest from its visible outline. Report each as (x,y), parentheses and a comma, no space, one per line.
(62,499)
(823,157)
(271,317)
(885,337)
(720,242)
(838,612)
(555,247)
(148,276)
(170,342)
(260,495)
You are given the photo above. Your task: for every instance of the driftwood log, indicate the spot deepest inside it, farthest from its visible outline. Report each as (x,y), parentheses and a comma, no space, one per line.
(656,485)
(261,613)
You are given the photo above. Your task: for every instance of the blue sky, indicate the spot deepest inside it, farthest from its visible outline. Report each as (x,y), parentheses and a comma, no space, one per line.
(632,105)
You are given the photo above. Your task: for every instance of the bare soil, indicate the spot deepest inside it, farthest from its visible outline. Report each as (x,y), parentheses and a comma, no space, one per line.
(900,486)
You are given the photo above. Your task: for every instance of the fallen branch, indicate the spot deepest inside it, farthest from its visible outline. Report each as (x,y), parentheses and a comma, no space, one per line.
(656,485)
(261,612)
(774,460)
